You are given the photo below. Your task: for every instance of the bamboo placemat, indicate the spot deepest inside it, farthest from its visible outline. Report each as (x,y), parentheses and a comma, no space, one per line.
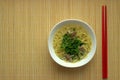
(24,29)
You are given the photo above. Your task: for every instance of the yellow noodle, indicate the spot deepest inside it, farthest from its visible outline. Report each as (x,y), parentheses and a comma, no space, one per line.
(81,32)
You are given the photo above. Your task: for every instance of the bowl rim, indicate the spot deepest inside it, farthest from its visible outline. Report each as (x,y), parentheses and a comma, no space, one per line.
(67,64)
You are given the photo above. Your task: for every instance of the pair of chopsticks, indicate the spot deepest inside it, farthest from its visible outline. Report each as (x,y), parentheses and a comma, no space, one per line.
(104,43)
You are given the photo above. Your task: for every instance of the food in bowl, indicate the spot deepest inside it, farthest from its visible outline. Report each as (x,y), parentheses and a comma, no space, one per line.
(71,42)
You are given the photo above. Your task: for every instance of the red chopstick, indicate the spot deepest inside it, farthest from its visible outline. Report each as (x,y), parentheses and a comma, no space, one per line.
(104,43)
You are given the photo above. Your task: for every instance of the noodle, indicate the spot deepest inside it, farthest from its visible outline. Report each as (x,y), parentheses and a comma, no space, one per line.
(82,35)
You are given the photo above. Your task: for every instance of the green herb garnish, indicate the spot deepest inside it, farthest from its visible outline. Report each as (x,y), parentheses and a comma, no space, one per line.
(70,43)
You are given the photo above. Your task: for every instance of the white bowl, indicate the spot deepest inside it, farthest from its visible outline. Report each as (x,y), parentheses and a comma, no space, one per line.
(89,55)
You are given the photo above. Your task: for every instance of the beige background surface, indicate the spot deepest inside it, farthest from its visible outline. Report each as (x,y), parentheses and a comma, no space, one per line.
(24,30)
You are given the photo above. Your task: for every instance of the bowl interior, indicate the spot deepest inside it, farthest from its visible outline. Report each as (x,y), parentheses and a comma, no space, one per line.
(81,62)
